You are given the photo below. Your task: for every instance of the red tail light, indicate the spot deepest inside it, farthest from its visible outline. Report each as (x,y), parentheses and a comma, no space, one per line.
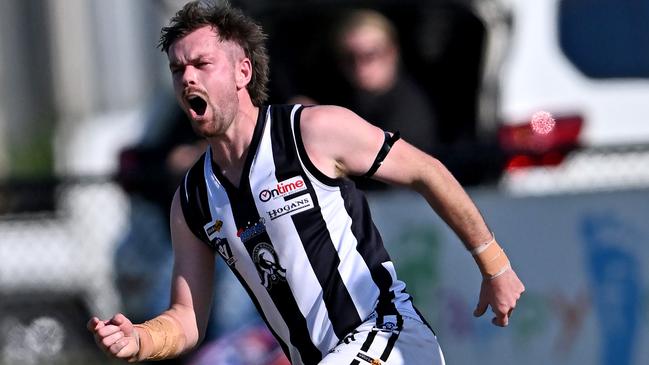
(527,146)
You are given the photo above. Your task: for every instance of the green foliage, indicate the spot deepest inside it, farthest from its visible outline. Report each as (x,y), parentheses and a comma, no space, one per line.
(34,158)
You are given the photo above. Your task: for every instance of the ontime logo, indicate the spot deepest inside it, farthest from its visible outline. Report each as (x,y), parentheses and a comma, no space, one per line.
(283,188)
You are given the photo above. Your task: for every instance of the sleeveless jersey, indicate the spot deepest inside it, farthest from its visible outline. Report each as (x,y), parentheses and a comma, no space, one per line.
(302,244)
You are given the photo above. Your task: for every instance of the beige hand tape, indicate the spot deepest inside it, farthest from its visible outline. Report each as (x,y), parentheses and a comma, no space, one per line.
(160,338)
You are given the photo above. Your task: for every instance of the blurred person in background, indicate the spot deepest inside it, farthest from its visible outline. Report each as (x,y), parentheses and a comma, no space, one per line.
(271,196)
(383,91)
(378,87)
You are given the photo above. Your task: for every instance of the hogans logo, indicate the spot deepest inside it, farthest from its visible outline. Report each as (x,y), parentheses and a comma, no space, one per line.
(268,266)
(292,206)
(283,188)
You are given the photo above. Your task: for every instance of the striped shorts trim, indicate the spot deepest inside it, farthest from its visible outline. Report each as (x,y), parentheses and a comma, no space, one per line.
(391,340)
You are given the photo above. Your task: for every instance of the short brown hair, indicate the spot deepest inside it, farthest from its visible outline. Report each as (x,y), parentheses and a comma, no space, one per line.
(231,25)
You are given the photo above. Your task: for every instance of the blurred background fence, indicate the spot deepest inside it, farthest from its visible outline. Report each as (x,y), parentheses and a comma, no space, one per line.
(57,243)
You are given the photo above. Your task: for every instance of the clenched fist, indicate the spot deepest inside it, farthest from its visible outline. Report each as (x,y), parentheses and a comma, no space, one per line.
(116,337)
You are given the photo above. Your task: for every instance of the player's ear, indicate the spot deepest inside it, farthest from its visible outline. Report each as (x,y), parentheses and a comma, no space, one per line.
(243,72)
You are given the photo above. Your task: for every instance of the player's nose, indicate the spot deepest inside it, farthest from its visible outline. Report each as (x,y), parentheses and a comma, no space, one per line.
(189,76)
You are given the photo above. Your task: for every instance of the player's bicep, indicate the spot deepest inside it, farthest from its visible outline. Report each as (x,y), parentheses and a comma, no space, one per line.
(405,165)
(193,272)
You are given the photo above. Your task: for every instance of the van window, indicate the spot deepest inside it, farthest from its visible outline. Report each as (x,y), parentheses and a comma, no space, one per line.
(606,38)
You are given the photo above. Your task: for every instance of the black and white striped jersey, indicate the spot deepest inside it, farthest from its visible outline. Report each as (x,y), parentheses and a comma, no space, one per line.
(302,244)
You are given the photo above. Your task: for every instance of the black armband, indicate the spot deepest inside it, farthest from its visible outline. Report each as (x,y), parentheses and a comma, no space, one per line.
(387,145)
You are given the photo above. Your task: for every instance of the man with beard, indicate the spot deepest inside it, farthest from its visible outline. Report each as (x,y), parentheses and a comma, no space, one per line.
(273,183)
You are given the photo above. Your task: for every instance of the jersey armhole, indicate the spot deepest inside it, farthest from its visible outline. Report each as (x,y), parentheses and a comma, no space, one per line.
(304,156)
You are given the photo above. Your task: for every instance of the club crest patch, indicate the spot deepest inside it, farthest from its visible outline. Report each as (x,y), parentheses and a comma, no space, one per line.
(268,266)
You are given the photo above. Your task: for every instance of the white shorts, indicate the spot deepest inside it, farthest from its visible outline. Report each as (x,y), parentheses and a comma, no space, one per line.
(395,341)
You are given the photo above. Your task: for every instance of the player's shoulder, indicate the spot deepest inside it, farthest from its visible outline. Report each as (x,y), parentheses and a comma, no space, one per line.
(311,112)
(320,113)
(326,118)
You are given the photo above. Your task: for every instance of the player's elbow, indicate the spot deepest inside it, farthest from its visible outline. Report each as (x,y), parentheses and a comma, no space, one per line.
(430,172)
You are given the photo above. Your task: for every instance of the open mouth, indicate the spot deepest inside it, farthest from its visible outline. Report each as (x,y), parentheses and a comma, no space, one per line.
(197,104)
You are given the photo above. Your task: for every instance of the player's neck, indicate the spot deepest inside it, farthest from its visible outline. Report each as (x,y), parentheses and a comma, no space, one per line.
(230,150)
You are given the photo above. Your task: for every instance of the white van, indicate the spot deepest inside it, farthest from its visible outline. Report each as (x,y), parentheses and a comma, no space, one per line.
(587,63)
